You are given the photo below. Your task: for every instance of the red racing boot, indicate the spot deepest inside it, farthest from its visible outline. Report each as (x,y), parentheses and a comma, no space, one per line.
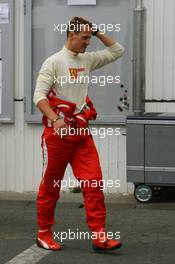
(102,243)
(45,240)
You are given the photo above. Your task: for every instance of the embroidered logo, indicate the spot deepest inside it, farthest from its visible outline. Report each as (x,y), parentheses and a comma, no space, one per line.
(75,71)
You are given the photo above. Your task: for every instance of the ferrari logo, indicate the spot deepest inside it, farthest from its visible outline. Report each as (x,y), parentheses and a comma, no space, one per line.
(75,71)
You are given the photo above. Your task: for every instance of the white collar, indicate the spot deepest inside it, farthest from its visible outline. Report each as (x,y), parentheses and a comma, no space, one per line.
(69,52)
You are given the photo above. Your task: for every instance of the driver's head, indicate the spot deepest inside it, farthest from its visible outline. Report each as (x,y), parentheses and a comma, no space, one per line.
(79,34)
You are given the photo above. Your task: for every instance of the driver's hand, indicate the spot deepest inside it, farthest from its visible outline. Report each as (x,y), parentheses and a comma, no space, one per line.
(61,128)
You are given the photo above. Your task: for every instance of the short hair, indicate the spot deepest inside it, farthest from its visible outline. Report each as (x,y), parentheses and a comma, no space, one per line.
(76,24)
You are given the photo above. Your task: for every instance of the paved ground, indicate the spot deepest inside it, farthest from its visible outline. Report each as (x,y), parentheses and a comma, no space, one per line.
(147,231)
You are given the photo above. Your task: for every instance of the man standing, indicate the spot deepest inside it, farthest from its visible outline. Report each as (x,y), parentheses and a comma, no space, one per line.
(66,105)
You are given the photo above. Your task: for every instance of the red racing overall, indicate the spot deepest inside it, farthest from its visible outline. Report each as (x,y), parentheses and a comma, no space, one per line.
(77,150)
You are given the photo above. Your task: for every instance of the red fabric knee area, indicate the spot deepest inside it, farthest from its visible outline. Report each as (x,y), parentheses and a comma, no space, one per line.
(95,207)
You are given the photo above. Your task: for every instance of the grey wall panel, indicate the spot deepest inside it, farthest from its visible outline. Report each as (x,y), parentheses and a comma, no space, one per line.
(7,53)
(44,14)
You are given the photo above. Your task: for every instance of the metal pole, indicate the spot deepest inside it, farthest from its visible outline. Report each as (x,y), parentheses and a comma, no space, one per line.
(139,4)
(139,58)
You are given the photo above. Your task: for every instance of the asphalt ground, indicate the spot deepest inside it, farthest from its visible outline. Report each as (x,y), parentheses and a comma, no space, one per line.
(147,231)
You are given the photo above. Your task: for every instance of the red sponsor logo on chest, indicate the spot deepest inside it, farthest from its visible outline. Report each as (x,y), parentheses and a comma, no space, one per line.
(75,71)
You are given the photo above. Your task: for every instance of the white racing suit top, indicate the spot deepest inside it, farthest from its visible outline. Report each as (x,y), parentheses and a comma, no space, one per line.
(67,65)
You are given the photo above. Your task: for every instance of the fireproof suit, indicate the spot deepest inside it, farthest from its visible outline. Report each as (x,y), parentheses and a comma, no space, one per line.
(81,153)
(77,150)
